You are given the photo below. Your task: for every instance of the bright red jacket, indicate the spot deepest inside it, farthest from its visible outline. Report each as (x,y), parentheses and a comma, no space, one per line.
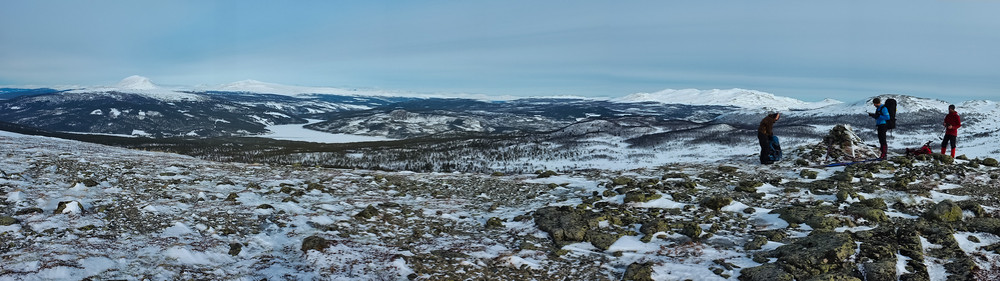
(955,122)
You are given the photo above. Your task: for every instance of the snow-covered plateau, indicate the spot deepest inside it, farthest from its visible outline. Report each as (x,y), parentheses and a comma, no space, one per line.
(71,210)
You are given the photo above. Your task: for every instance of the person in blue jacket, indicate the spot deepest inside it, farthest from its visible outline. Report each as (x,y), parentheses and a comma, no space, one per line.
(881,115)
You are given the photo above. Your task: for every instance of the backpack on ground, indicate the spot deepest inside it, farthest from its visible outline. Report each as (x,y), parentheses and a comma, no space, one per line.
(890,105)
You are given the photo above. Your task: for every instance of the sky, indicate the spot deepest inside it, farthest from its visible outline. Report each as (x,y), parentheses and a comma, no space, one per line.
(809,50)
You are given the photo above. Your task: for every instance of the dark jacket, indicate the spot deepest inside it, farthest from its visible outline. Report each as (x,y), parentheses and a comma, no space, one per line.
(955,122)
(767,125)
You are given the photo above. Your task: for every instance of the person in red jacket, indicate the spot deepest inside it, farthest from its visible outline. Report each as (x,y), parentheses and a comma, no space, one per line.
(951,124)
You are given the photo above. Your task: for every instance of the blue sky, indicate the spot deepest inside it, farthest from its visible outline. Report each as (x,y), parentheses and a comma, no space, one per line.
(810,50)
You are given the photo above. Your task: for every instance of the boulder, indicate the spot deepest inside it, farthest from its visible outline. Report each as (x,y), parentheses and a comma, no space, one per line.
(819,253)
(314,243)
(639,272)
(944,211)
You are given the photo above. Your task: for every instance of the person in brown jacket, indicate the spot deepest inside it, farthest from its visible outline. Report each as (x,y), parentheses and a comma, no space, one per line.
(769,149)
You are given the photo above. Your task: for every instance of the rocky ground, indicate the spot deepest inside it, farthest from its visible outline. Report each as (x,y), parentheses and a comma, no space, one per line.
(71,211)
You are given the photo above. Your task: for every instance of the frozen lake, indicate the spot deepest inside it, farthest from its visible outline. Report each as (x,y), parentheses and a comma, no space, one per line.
(296,132)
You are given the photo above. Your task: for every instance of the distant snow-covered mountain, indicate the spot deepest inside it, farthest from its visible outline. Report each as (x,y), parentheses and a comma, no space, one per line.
(742,98)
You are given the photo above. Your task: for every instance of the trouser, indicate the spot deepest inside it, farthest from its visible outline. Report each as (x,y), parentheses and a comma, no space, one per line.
(883,144)
(765,148)
(944,144)
(947,139)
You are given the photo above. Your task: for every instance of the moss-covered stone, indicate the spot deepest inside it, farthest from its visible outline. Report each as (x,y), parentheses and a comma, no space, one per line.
(653,226)
(944,211)
(602,240)
(27,211)
(235,249)
(686,185)
(882,270)
(622,181)
(808,174)
(89,182)
(765,272)
(494,222)
(639,272)
(989,225)
(819,253)
(691,229)
(5,221)
(749,186)
(640,196)
(65,204)
(367,213)
(546,174)
(756,243)
(869,209)
(989,162)
(564,224)
(314,243)
(716,202)
(973,207)
(232,197)
(728,169)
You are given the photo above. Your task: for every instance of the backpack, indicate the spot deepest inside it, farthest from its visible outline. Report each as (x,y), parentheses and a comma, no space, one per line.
(890,104)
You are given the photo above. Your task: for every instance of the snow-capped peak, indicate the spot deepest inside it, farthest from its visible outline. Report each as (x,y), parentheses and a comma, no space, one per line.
(732,97)
(140,85)
(136,82)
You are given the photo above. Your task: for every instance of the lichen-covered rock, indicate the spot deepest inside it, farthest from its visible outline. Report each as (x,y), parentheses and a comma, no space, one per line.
(546,174)
(686,184)
(882,270)
(235,249)
(602,240)
(728,169)
(367,213)
(943,158)
(816,254)
(989,225)
(654,226)
(232,197)
(5,221)
(756,243)
(765,272)
(639,272)
(69,207)
(944,211)
(622,181)
(808,174)
(566,225)
(716,202)
(314,243)
(494,222)
(749,186)
(973,207)
(990,162)
(692,230)
(26,211)
(89,182)
(640,196)
(869,209)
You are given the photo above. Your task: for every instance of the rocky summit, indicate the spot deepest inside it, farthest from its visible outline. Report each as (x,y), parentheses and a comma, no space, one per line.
(72,210)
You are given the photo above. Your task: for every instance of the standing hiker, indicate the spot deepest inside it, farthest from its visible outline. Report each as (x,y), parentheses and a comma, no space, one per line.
(769,151)
(951,124)
(881,116)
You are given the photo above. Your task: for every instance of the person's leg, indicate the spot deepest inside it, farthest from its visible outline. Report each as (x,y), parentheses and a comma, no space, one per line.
(952,139)
(884,145)
(765,147)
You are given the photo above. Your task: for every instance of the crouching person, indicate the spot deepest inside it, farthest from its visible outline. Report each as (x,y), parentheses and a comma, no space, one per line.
(770,150)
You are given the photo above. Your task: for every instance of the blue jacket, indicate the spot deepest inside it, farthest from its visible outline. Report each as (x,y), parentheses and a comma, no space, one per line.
(883,115)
